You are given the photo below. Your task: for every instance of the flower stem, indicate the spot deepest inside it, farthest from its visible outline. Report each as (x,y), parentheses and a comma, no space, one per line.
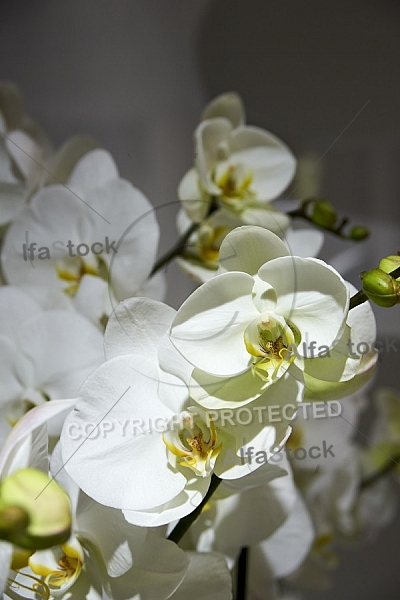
(327,219)
(358,299)
(242,574)
(175,250)
(179,247)
(183,525)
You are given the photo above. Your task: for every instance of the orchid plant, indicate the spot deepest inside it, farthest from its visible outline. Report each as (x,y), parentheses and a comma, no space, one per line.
(151,453)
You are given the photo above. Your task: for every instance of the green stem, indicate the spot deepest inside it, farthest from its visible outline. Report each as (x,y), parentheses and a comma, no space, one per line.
(175,250)
(179,247)
(181,528)
(396,273)
(300,213)
(390,465)
(358,299)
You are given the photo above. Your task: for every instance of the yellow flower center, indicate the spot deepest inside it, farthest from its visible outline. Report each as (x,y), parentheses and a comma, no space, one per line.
(235,184)
(60,568)
(68,567)
(193,441)
(72,269)
(209,240)
(270,340)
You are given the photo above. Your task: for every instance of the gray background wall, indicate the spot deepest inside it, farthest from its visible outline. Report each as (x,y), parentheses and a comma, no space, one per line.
(322,75)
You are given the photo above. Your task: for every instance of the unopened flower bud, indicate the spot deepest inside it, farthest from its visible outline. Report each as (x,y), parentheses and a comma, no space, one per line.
(381,288)
(357,234)
(13,521)
(390,263)
(35,512)
(323,214)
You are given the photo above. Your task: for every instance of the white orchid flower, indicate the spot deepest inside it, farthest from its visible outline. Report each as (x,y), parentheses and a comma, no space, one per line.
(242,167)
(200,255)
(80,237)
(238,170)
(46,354)
(156,431)
(23,149)
(238,200)
(265,315)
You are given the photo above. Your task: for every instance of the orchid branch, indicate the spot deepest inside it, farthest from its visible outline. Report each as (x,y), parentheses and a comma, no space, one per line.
(175,250)
(183,525)
(322,214)
(179,247)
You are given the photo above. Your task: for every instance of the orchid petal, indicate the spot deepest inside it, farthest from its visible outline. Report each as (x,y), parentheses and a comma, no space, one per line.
(136,326)
(211,137)
(247,248)
(229,106)
(63,162)
(10,460)
(271,161)
(304,242)
(119,393)
(208,577)
(158,570)
(195,201)
(288,546)
(208,329)
(95,169)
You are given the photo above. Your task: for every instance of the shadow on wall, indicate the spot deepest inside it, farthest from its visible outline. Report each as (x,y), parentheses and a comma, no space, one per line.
(311,72)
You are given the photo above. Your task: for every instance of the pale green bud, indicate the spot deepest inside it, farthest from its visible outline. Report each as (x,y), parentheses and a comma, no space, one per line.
(323,214)
(381,288)
(359,233)
(35,512)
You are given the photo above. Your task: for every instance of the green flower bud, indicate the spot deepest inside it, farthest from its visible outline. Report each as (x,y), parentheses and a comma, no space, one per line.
(390,263)
(35,512)
(323,214)
(381,288)
(359,233)
(13,521)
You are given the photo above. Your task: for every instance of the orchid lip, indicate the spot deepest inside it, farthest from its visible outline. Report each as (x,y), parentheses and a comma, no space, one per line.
(194,442)
(60,570)
(270,339)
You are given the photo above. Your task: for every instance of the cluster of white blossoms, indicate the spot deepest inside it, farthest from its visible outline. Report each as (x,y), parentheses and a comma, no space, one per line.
(145,450)
(239,171)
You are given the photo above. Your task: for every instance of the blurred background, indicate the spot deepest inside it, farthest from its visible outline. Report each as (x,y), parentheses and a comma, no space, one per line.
(136,74)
